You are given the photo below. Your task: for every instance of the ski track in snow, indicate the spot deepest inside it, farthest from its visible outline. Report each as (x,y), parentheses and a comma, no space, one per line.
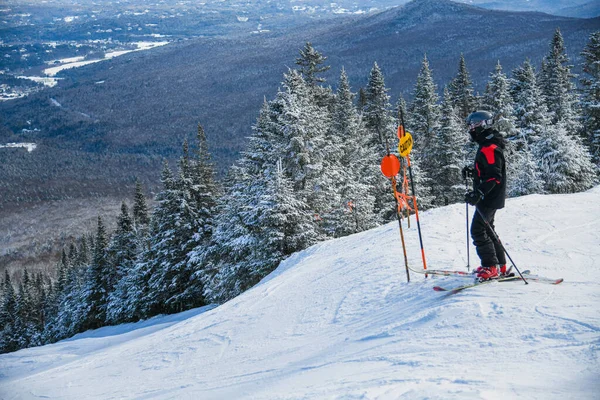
(339,320)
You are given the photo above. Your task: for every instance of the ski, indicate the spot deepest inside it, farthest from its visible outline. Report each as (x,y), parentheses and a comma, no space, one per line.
(457,289)
(543,279)
(448,272)
(442,272)
(534,278)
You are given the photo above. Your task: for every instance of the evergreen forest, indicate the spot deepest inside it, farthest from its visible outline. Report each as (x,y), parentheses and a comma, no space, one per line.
(310,173)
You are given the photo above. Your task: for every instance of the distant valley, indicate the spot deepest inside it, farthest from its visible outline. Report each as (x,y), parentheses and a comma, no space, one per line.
(105,124)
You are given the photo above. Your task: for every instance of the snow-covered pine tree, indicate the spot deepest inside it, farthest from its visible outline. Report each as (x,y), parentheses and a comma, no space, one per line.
(140,207)
(355,166)
(303,127)
(97,284)
(287,128)
(447,157)
(286,223)
(156,254)
(70,312)
(558,88)
(164,271)
(565,163)
(531,112)
(204,193)
(461,91)
(522,170)
(590,100)
(234,238)
(498,100)
(377,115)
(122,253)
(423,122)
(424,114)
(381,134)
(254,235)
(311,64)
(10,337)
(27,312)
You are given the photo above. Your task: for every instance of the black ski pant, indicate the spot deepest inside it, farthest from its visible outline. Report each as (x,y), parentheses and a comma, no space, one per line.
(488,248)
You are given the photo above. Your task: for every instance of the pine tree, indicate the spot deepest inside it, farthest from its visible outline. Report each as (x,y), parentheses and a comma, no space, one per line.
(523,176)
(523,173)
(423,122)
(498,100)
(531,112)
(204,192)
(356,166)
(140,208)
(447,156)
(303,125)
(311,64)
(256,231)
(377,112)
(591,96)
(461,91)
(98,278)
(122,253)
(424,114)
(173,225)
(9,339)
(234,237)
(565,164)
(558,88)
(380,128)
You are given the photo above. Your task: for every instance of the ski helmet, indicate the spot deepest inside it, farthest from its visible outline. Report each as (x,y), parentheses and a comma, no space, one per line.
(478,122)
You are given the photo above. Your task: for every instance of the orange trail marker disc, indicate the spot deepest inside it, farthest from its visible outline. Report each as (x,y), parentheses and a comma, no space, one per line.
(390,165)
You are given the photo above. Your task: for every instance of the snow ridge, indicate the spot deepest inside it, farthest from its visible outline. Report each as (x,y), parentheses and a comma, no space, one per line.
(339,320)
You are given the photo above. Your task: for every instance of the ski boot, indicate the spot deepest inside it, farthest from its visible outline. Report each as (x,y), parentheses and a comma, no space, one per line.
(505,271)
(487,273)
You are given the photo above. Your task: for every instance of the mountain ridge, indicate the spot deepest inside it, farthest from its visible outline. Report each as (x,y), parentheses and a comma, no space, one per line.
(148,103)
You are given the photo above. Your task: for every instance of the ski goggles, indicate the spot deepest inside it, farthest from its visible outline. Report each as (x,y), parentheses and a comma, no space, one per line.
(475,125)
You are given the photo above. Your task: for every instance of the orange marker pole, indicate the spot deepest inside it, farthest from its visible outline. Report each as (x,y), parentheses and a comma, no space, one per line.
(401,231)
(390,166)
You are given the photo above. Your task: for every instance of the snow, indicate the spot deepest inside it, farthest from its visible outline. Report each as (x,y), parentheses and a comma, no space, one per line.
(29,146)
(49,82)
(339,320)
(78,63)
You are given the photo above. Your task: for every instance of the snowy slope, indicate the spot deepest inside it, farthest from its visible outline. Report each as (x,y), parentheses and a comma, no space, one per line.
(339,321)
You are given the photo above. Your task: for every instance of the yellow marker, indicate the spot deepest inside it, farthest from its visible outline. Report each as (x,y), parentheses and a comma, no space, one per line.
(405,145)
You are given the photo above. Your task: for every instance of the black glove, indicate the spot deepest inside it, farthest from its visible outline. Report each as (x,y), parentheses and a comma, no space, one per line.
(473,197)
(468,172)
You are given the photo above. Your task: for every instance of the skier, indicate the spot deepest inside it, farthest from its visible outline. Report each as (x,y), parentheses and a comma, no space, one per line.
(489,192)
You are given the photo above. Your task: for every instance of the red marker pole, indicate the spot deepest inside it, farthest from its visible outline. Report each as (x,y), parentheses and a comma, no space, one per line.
(404,147)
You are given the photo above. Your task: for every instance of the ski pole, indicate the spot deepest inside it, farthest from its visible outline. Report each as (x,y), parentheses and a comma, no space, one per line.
(487,224)
(467,209)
